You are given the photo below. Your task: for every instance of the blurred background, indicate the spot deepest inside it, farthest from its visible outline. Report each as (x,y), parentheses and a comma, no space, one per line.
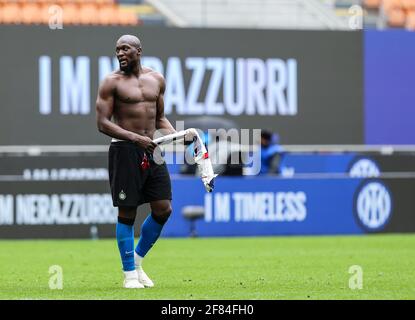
(329,83)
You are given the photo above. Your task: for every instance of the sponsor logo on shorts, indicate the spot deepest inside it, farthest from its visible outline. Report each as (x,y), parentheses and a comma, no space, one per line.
(373,206)
(122,195)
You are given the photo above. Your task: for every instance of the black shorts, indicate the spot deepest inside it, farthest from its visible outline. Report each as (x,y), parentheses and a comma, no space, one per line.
(135,178)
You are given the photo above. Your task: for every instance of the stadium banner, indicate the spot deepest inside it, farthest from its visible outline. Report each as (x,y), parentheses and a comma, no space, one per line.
(94,165)
(295,163)
(305,85)
(369,164)
(402,218)
(388,81)
(268,206)
(238,207)
(396,162)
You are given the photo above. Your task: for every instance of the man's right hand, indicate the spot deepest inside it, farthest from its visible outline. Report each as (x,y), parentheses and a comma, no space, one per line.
(146,143)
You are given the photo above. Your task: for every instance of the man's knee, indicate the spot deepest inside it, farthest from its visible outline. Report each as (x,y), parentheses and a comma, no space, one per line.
(161,212)
(127,214)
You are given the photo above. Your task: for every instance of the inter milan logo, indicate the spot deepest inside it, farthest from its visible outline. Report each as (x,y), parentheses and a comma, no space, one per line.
(373,206)
(364,168)
(122,195)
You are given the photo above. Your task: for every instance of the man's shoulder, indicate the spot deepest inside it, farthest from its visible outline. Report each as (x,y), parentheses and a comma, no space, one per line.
(113,76)
(111,79)
(153,73)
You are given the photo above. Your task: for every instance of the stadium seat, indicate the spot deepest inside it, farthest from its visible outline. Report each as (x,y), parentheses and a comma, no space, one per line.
(31,13)
(389,5)
(372,4)
(107,14)
(408,4)
(396,18)
(95,2)
(101,2)
(70,13)
(127,18)
(46,12)
(410,21)
(11,13)
(88,14)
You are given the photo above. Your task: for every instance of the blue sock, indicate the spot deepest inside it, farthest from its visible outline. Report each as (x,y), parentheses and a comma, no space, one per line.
(125,240)
(150,231)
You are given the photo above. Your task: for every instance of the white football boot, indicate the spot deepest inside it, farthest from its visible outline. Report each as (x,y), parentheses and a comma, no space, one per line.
(142,276)
(131,280)
(144,279)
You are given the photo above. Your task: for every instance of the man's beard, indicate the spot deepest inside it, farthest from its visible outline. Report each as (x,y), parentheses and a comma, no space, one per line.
(125,68)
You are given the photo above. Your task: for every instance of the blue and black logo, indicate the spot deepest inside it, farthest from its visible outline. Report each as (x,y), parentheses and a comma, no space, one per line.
(364,168)
(373,205)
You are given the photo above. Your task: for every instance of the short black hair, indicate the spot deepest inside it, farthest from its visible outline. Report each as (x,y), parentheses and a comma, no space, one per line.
(131,40)
(267,135)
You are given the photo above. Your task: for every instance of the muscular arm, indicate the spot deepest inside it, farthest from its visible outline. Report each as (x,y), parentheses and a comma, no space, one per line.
(161,121)
(104,110)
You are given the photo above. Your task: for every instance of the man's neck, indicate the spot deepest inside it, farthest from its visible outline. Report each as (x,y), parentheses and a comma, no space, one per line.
(136,70)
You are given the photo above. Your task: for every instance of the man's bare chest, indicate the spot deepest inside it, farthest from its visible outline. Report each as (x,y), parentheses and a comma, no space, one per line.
(137,91)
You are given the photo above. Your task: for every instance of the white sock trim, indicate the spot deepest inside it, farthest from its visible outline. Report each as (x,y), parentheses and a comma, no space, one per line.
(130,274)
(138,260)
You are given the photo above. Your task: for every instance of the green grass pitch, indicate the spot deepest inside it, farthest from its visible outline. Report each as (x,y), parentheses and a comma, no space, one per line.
(216,268)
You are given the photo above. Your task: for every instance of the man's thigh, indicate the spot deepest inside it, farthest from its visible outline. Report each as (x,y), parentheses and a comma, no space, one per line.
(158,185)
(128,212)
